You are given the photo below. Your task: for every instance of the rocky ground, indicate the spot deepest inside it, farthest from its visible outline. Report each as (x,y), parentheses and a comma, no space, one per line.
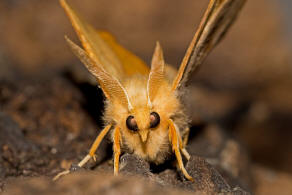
(49,123)
(50,111)
(44,130)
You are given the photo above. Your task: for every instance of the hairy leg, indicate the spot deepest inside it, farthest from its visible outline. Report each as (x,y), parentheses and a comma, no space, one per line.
(91,153)
(117,149)
(176,143)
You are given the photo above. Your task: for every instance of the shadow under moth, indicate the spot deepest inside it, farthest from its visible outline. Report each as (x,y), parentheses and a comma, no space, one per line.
(143,111)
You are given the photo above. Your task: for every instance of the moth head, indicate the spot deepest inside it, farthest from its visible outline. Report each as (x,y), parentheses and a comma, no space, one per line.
(153,101)
(142,123)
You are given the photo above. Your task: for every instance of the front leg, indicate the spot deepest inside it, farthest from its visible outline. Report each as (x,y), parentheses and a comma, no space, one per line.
(176,142)
(91,153)
(117,149)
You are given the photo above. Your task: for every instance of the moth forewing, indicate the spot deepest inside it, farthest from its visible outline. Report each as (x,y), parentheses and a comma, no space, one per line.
(216,21)
(103,48)
(93,43)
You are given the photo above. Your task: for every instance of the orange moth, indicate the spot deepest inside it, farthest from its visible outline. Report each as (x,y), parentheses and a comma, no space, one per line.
(143,111)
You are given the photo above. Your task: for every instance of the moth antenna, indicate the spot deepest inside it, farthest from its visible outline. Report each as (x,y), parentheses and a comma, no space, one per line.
(111,87)
(156,75)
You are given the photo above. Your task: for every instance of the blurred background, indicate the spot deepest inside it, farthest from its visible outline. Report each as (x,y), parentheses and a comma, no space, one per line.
(245,85)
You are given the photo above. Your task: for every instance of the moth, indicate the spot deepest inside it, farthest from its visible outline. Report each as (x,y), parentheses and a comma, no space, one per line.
(143,109)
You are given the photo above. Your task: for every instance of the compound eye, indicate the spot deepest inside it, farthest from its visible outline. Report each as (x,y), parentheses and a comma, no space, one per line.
(154,119)
(132,123)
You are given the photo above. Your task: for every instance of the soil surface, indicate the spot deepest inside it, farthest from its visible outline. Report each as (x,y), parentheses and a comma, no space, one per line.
(48,124)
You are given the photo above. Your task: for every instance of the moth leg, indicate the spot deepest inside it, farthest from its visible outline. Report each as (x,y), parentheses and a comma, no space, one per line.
(183,143)
(182,148)
(185,153)
(175,141)
(90,155)
(117,149)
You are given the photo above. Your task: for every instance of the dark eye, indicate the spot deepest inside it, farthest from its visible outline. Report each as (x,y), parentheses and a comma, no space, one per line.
(154,119)
(131,123)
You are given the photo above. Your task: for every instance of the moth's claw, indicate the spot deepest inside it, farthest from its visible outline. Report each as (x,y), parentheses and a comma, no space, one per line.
(189,178)
(73,168)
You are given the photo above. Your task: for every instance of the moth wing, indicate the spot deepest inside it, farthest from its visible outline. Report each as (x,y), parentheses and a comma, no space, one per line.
(131,63)
(216,21)
(103,49)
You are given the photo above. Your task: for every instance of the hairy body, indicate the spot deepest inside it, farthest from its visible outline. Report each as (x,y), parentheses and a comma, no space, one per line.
(156,148)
